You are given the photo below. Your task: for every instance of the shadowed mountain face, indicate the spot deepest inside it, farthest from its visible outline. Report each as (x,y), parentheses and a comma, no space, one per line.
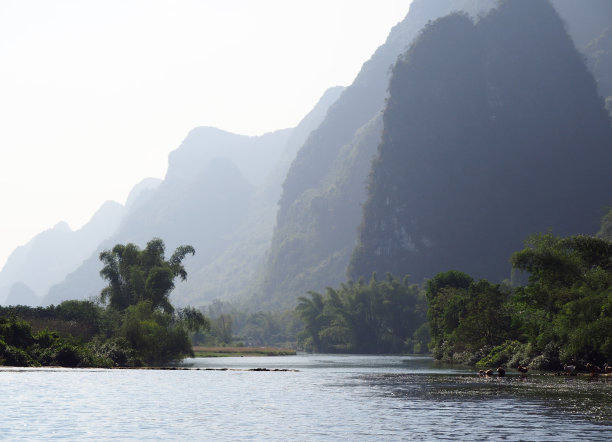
(599,56)
(585,19)
(320,207)
(492,131)
(361,101)
(589,22)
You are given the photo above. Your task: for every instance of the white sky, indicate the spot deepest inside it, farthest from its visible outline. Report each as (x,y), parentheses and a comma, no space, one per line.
(95,94)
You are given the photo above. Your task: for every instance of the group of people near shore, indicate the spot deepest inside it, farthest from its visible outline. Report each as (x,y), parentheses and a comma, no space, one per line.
(569,370)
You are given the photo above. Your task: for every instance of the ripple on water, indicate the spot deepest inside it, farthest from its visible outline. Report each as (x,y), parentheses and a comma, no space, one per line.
(329,398)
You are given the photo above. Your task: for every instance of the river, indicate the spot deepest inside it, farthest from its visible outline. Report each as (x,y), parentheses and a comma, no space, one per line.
(323,397)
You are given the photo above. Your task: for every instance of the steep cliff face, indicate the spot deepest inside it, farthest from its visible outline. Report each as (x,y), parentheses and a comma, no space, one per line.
(361,101)
(232,273)
(492,131)
(599,56)
(589,22)
(320,207)
(585,20)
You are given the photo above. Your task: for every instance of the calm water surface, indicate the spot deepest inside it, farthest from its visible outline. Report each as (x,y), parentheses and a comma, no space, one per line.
(326,398)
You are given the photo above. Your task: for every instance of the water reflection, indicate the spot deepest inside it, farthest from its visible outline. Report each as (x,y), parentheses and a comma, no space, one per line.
(583,397)
(329,397)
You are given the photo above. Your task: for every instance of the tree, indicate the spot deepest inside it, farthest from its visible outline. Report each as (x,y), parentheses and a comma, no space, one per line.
(311,312)
(446,293)
(568,301)
(138,326)
(373,317)
(605,232)
(156,336)
(222,328)
(136,275)
(487,317)
(465,314)
(557,267)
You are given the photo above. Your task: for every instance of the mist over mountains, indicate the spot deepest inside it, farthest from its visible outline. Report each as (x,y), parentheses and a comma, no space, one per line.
(486,130)
(31,270)
(219,195)
(49,256)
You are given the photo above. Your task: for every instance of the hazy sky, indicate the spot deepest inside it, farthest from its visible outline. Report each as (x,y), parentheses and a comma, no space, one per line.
(95,94)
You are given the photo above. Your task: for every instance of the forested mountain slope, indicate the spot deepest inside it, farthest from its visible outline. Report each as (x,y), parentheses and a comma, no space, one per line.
(320,207)
(492,131)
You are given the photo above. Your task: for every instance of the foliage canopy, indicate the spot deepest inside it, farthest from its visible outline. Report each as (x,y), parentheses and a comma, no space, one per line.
(375,317)
(136,275)
(139,326)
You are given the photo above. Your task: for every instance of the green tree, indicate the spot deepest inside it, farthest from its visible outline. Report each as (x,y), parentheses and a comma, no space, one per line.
(373,317)
(156,336)
(465,314)
(310,311)
(446,293)
(192,319)
(486,321)
(222,328)
(567,303)
(557,267)
(136,275)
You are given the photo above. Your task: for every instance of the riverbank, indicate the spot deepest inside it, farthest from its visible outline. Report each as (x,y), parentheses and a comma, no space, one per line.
(512,354)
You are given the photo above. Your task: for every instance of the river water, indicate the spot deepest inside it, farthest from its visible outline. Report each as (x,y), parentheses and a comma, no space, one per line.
(323,397)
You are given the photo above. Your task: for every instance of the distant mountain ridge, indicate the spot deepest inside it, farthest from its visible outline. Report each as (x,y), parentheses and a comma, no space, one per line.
(31,270)
(218,196)
(221,190)
(50,255)
(253,156)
